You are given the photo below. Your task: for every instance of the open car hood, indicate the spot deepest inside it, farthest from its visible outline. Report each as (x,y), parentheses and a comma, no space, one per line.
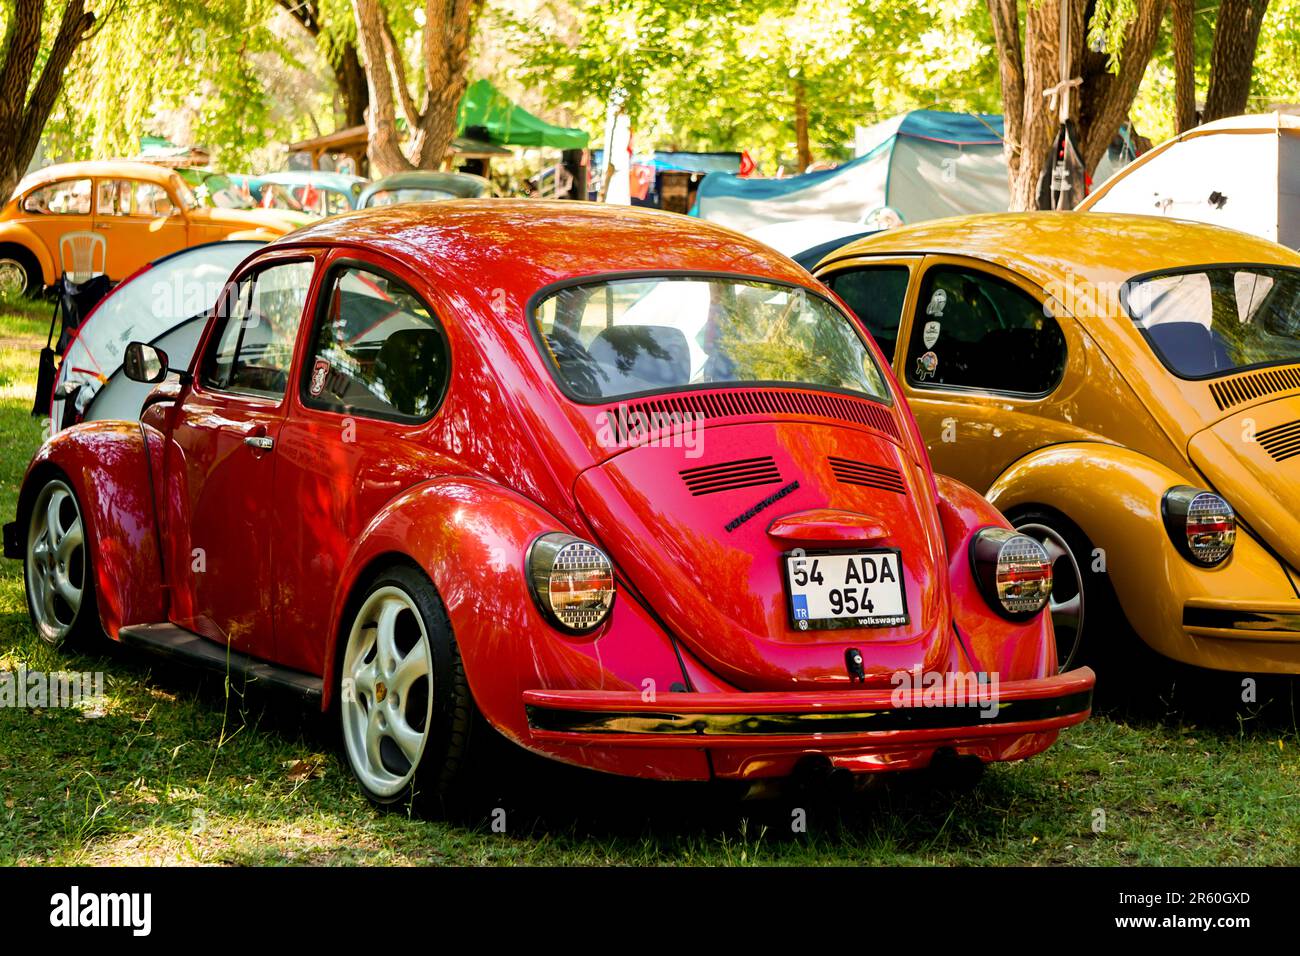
(700,533)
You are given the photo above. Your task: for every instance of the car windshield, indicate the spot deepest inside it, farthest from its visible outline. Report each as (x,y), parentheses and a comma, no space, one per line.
(1219,319)
(624,337)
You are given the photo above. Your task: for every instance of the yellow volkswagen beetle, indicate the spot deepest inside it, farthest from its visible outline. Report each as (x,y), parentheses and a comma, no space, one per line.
(110,217)
(1127,390)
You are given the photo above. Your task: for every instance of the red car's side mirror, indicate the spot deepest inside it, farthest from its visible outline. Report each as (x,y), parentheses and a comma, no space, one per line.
(144,363)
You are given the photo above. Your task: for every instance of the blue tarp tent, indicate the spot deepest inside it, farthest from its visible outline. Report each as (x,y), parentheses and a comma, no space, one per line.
(924,165)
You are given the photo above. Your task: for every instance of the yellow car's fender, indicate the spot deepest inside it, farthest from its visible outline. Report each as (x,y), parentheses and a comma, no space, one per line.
(1113,495)
(19,235)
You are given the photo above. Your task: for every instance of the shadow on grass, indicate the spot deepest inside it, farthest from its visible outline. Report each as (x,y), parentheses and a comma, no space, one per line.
(1147,689)
(140,774)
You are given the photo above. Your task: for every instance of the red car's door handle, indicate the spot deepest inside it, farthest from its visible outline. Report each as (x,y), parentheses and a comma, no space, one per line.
(255,436)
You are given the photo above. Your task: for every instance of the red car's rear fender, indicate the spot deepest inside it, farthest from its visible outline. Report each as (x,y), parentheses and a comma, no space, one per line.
(990,642)
(470,536)
(112,474)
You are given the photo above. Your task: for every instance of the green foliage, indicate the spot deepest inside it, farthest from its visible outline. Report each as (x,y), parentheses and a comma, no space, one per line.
(723,75)
(1277,64)
(1277,67)
(155,56)
(1110,19)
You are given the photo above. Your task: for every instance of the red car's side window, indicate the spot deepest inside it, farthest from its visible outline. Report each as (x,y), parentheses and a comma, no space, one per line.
(253,349)
(377,350)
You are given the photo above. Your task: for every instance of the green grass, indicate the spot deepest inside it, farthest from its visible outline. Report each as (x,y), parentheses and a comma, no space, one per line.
(176,771)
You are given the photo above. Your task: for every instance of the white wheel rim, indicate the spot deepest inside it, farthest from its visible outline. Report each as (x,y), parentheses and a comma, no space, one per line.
(387,691)
(56,561)
(13,277)
(1066,612)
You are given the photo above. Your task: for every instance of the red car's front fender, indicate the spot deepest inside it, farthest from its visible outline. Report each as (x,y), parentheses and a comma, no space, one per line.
(470,536)
(112,473)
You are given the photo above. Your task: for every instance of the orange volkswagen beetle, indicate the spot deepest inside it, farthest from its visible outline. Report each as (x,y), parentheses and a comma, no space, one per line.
(112,216)
(1127,390)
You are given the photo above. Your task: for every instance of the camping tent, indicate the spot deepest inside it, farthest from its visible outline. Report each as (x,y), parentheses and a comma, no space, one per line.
(1242,172)
(484,107)
(924,164)
(164,304)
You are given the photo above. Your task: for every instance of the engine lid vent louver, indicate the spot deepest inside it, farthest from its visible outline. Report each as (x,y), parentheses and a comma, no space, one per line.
(1281,441)
(849,472)
(1247,388)
(744,473)
(634,421)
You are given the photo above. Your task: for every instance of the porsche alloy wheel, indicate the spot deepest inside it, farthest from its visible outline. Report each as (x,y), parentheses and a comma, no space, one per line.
(403,699)
(1067,601)
(57,570)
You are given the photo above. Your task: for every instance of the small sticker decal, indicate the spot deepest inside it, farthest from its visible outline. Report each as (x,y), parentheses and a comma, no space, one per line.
(925,366)
(930,333)
(318,373)
(938,302)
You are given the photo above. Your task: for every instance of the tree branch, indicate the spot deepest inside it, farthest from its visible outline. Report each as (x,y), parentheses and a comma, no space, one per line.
(397,66)
(1011,70)
(1106,97)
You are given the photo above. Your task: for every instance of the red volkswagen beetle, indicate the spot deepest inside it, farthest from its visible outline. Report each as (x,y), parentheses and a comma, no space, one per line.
(632,489)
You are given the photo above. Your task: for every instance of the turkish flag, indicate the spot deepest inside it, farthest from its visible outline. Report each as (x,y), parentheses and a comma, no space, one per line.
(747,165)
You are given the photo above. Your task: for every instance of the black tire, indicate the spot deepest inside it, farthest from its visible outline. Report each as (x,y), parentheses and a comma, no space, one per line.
(439,777)
(15,259)
(52,568)
(1104,630)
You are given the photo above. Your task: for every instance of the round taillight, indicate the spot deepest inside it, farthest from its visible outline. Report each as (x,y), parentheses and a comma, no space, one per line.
(1201,524)
(572,581)
(1013,570)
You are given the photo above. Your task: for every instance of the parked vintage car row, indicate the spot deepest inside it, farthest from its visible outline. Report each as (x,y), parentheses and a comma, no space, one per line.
(115,217)
(640,494)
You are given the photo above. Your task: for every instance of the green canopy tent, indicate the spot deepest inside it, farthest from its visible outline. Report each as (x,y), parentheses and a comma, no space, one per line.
(485,108)
(487,121)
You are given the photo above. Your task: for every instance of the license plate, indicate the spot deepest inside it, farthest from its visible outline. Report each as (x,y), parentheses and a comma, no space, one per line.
(846,589)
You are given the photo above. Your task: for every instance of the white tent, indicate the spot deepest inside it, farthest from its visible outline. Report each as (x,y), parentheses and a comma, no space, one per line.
(925,164)
(164,304)
(1242,172)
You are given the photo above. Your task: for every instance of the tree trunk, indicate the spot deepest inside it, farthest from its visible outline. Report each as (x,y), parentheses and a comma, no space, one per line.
(802,147)
(1184,65)
(448,27)
(1006,37)
(1098,105)
(23,116)
(1232,58)
(349,77)
(1105,97)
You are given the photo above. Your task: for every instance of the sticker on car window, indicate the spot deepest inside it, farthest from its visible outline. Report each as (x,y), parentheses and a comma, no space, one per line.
(930,333)
(938,302)
(318,374)
(925,366)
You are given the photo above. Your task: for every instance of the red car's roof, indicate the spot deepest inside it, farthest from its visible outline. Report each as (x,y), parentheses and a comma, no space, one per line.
(529,243)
